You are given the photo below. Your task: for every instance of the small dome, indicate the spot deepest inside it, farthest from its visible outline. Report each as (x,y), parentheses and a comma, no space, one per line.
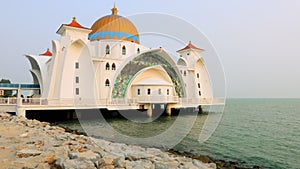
(114,26)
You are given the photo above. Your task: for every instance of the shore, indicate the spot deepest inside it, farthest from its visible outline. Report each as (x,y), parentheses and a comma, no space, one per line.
(32,144)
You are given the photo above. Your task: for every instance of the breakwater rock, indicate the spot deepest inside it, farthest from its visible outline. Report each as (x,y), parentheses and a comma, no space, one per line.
(32,144)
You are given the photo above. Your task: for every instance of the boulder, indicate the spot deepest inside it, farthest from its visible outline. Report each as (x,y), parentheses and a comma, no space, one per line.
(88,155)
(28,153)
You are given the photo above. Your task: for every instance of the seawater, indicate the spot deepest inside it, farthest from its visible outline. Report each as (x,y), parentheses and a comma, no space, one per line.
(263,132)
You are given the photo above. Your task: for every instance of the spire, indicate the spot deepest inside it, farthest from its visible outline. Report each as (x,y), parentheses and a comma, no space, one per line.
(114,10)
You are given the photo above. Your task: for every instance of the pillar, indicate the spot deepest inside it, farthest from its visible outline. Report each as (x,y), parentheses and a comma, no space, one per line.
(21,112)
(168,110)
(150,110)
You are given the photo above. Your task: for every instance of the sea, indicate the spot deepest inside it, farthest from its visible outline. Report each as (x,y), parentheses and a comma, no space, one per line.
(251,132)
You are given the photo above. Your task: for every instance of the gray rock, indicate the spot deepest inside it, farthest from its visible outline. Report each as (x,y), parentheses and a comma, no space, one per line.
(48,127)
(199,164)
(161,166)
(78,164)
(89,155)
(28,153)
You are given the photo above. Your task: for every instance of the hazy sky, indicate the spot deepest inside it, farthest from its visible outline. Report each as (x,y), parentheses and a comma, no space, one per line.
(258,41)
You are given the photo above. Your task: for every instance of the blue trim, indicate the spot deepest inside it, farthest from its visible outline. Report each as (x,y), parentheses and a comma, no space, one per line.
(112,34)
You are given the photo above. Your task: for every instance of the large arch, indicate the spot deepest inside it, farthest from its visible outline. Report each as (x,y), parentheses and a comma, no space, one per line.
(36,71)
(134,64)
(206,88)
(79,52)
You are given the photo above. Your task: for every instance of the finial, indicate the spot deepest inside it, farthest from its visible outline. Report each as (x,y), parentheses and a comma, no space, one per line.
(114,10)
(190,42)
(74,19)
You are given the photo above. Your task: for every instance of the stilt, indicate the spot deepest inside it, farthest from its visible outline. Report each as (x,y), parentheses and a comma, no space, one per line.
(150,110)
(21,112)
(169,110)
(200,110)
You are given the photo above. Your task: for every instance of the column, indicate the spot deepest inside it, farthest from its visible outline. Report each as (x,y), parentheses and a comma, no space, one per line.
(150,110)
(168,110)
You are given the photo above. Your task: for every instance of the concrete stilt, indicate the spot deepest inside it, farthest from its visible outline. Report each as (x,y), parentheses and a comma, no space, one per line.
(150,110)
(168,110)
(21,112)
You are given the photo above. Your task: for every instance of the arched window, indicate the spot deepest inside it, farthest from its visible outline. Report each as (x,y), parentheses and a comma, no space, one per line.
(123,50)
(199,93)
(113,66)
(107,50)
(139,91)
(168,91)
(199,85)
(138,51)
(107,66)
(184,73)
(149,91)
(198,75)
(107,82)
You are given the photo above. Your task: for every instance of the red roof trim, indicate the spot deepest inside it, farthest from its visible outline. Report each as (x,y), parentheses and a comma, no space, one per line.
(189,46)
(47,53)
(75,24)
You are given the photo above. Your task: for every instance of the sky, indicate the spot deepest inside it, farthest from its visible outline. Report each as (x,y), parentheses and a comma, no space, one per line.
(257,41)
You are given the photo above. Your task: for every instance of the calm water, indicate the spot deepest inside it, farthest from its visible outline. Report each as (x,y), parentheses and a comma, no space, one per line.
(264,132)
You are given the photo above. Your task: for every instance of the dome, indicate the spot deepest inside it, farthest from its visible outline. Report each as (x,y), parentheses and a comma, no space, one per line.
(114,26)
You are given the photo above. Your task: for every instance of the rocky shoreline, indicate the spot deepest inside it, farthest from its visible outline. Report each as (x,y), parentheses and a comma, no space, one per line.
(32,144)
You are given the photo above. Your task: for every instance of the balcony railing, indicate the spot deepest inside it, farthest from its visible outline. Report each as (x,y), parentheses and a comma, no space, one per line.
(108,102)
(157,99)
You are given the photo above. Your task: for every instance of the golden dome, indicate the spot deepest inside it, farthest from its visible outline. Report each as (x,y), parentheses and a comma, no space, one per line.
(114,26)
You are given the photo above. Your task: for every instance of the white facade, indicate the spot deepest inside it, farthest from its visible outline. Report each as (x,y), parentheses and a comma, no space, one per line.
(117,74)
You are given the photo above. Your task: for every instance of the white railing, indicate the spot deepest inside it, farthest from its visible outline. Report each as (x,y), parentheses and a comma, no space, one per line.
(109,102)
(157,99)
(203,101)
(8,101)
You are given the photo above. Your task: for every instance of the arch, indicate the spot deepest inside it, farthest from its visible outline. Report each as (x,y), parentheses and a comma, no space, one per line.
(107,66)
(124,50)
(134,64)
(107,50)
(36,71)
(107,83)
(78,51)
(182,62)
(113,66)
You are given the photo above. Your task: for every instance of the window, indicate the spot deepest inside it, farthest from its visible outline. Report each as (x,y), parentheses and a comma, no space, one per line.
(77,91)
(184,73)
(107,82)
(159,91)
(149,91)
(123,50)
(188,53)
(107,50)
(139,91)
(113,66)
(168,91)
(76,65)
(199,85)
(199,93)
(77,79)
(138,51)
(198,75)
(107,66)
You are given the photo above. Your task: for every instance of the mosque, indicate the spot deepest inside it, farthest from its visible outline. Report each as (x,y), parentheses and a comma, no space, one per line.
(105,66)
